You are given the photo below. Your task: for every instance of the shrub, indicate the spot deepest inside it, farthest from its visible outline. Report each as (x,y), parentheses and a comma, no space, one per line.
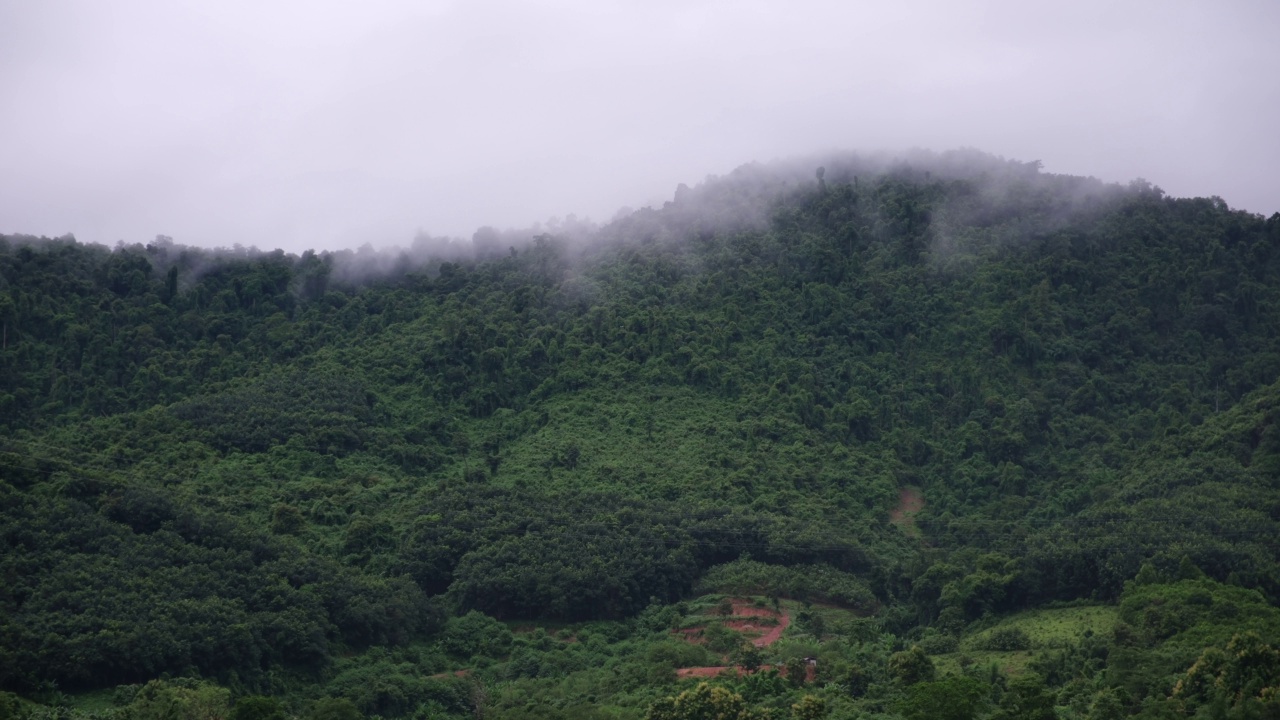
(939,643)
(257,707)
(1006,640)
(476,634)
(722,639)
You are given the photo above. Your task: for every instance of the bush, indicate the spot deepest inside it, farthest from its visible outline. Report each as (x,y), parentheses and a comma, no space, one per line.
(1005,640)
(382,687)
(811,582)
(674,653)
(181,698)
(257,707)
(911,666)
(476,634)
(722,639)
(333,709)
(11,707)
(939,643)
(658,617)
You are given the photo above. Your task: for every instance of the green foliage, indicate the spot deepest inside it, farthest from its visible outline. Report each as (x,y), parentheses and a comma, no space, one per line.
(257,707)
(180,699)
(11,707)
(952,698)
(1005,640)
(911,666)
(805,582)
(796,671)
(283,472)
(389,688)
(810,707)
(1245,672)
(1107,705)
(748,657)
(937,643)
(1196,612)
(475,634)
(702,703)
(1027,698)
(674,654)
(333,709)
(658,617)
(722,639)
(326,410)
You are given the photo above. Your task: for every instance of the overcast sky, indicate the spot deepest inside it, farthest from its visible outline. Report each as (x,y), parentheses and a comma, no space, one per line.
(332,124)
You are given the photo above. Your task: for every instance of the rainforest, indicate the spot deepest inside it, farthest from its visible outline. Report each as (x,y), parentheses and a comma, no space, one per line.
(940,436)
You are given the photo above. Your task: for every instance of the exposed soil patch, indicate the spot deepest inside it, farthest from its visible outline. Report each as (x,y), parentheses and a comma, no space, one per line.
(910,503)
(702,672)
(769,632)
(762,625)
(742,609)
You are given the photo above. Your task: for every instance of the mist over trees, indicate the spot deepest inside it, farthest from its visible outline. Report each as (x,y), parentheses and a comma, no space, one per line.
(245,481)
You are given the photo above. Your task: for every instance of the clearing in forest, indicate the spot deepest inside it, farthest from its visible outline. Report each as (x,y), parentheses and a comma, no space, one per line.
(910,503)
(1012,643)
(763,626)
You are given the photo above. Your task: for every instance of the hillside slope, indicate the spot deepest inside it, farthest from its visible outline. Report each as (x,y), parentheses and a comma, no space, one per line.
(245,466)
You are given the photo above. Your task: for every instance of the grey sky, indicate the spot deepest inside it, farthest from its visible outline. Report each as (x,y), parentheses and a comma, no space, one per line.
(331,124)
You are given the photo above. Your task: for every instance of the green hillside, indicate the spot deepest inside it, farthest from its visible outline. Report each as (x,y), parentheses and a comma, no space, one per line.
(490,478)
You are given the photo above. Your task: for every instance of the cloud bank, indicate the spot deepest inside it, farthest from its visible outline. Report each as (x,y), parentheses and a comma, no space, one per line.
(331,125)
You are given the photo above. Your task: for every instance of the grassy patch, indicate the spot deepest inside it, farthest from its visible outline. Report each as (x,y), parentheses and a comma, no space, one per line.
(93,701)
(1049,628)
(1010,663)
(1045,628)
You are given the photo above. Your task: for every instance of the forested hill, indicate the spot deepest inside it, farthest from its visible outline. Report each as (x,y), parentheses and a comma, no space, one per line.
(286,475)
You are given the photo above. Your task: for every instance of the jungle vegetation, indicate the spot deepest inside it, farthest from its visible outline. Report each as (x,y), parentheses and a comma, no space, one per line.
(490,479)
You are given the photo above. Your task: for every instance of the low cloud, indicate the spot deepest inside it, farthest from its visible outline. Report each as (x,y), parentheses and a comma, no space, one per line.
(333,125)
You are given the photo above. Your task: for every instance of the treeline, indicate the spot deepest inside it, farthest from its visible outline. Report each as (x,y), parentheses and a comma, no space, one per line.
(116,582)
(112,583)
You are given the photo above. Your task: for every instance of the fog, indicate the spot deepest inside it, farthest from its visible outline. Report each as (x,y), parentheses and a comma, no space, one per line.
(333,125)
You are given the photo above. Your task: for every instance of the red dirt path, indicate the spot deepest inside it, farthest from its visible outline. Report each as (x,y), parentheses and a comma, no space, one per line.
(910,502)
(703,672)
(740,621)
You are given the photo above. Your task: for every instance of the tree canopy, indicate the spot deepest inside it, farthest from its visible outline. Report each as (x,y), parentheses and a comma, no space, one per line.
(331,477)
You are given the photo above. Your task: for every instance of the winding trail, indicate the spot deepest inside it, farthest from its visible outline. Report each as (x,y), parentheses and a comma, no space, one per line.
(910,502)
(741,620)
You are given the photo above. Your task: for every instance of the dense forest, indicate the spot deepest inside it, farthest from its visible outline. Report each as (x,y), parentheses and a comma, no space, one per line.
(978,440)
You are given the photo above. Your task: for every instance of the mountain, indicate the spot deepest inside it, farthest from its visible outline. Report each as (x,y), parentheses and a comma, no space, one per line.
(332,477)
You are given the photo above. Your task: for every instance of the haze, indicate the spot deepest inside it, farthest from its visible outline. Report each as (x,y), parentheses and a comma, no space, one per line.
(327,125)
